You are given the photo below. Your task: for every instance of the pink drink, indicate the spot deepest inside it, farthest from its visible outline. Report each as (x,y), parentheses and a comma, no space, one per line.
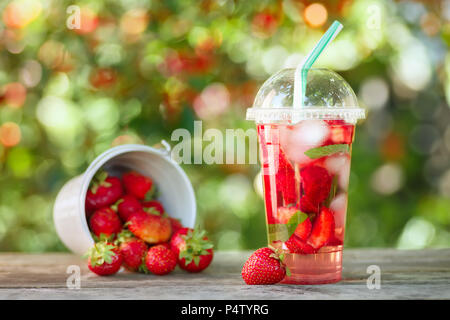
(306,170)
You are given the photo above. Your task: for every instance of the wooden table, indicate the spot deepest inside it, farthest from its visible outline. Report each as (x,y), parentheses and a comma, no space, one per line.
(423,274)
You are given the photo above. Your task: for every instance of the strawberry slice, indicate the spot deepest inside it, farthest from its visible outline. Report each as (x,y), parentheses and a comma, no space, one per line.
(334,241)
(303,230)
(307,206)
(322,229)
(316,183)
(296,245)
(284,214)
(285,180)
(340,132)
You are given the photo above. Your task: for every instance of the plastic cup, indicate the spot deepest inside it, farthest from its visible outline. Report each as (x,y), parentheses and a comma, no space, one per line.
(305,157)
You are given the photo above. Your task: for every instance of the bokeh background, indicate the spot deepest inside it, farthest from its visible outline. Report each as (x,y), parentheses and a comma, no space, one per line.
(137,70)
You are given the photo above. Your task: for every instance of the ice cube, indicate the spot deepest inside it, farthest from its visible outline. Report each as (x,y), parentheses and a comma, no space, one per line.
(335,163)
(339,206)
(301,137)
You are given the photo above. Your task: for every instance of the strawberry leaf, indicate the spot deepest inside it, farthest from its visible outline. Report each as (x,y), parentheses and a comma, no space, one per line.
(297,218)
(319,152)
(288,271)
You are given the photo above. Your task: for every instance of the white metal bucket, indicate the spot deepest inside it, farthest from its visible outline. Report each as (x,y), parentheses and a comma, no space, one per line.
(175,190)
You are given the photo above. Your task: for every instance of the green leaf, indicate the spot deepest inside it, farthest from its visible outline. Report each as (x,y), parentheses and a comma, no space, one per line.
(323,151)
(288,271)
(333,189)
(297,218)
(196,260)
(277,232)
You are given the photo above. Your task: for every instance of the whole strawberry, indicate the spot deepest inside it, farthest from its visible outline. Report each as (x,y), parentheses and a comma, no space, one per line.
(160,260)
(153,205)
(265,266)
(193,249)
(138,185)
(176,225)
(104,258)
(152,228)
(126,206)
(103,191)
(105,223)
(133,250)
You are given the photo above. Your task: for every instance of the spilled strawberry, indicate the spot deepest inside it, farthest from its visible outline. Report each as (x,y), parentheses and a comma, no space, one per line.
(104,258)
(152,228)
(105,223)
(153,205)
(133,250)
(103,191)
(138,185)
(160,260)
(176,225)
(126,206)
(265,266)
(193,249)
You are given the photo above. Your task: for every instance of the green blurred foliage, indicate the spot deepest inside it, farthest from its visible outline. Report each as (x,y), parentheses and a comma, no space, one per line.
(137,70)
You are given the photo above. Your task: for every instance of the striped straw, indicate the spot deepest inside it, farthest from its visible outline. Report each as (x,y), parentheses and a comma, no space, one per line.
(302,69)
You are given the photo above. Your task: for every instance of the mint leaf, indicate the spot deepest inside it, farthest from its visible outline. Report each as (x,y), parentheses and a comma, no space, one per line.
(297,218)
(319,152)
(333,189)
(277,232)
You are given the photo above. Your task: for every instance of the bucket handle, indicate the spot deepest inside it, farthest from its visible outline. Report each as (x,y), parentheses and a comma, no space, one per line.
(165,147)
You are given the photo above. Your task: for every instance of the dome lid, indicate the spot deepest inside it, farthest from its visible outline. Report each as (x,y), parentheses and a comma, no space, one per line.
(328,96)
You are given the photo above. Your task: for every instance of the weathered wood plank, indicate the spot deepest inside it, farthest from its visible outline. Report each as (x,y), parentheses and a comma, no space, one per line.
(422,274)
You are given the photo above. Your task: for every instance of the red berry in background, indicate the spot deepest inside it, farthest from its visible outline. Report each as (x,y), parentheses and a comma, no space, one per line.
(264,24)
(105,222)
(160,260)
(138,185)
(156,205)
(103,78)
(152,228)
(316,183)
(126,206)
(104,190)
(323,229)
(193,249)
(133,251)
(104,258)
(265,266)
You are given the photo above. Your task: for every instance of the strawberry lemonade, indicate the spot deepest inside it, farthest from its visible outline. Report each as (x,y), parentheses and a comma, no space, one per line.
(305,161)
(305,182)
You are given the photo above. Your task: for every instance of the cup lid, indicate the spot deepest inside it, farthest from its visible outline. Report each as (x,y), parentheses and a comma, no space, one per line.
(327,96)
